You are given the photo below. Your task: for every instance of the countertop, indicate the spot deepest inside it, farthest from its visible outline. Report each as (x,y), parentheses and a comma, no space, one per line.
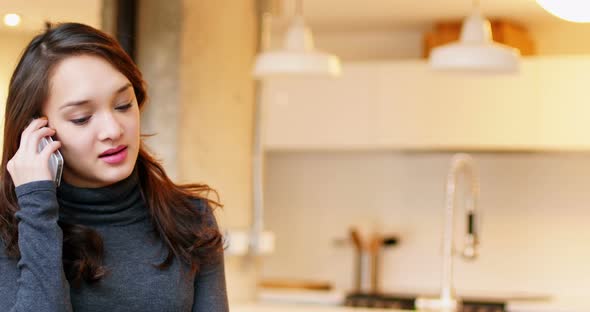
(573,304)
(283,307)
(329,302)
(513,307)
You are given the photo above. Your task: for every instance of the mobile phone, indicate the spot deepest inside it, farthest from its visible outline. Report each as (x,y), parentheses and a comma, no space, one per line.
(56,161)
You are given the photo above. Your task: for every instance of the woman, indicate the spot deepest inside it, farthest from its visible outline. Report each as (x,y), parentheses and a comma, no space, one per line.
(117,234)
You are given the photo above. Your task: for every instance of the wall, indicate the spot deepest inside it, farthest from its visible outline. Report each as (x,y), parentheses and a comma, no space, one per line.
(158,57)
(405,43)
(218,44)
(534,228)
(562,38)
(12,43)
(361,44)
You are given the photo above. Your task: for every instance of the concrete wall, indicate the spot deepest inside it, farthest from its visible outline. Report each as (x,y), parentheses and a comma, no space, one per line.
(158,57)
(218,45)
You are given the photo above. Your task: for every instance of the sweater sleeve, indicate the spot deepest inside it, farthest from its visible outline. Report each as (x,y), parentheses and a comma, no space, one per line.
(37,281)
(210,289)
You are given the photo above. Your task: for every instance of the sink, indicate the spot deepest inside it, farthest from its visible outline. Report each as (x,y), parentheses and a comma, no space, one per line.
(400,302)
(407,302)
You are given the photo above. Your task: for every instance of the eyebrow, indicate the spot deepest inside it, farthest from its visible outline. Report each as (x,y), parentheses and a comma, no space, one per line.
(83,102)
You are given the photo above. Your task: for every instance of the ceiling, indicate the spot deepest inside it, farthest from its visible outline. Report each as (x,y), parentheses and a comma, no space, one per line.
(327,14)
(34,13)
(391,14)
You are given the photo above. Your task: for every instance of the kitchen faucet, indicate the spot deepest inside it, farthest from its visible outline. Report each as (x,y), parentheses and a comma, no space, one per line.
(447,301)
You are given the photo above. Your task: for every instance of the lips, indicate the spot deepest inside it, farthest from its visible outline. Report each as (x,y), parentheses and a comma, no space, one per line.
(112,151)
(114,156)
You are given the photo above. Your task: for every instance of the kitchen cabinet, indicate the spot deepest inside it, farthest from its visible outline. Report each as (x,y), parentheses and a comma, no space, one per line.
(321,112)
(405,105)
(563,108)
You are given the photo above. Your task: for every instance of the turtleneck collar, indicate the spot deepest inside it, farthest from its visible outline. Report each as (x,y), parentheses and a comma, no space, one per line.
(116,204)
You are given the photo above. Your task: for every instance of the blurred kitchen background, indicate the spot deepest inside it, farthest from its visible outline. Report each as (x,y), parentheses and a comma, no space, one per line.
(369,149)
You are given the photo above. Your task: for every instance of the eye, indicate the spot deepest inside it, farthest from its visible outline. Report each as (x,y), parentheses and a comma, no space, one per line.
(123,107)
(80,121)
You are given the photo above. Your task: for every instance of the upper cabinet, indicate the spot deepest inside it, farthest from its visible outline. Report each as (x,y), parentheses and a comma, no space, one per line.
(405,105)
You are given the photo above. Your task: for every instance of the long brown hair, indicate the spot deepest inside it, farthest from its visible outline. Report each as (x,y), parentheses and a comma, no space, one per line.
(183,227)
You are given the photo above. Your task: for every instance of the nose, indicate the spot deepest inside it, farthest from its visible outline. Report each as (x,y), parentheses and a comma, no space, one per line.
(110,127)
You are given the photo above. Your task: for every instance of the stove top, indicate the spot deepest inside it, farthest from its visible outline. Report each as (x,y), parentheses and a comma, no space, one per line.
(406,302)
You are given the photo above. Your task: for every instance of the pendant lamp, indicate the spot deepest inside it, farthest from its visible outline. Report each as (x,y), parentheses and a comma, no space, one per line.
(475,51)
(298,56)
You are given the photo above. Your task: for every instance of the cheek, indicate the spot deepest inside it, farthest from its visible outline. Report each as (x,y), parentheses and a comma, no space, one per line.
(75,145)
(132,125)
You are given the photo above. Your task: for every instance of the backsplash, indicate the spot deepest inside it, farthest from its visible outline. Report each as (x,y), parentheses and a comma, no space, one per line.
(535,236)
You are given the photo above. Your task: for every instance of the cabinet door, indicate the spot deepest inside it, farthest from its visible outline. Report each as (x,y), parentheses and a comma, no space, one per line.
(564,102)
(320,113)
(422,109)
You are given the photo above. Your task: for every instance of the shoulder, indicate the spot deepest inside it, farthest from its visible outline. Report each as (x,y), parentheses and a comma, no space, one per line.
(2,248)
(204,211)
(199,204)
(210,239)
(3,253)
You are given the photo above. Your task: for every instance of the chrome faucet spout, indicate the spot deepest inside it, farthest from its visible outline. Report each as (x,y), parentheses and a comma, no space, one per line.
(460,163)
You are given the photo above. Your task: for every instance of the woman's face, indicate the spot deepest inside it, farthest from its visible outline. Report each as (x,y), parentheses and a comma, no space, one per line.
(92,107)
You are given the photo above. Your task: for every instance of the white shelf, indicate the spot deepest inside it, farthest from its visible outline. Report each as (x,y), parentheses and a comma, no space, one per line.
(405,105)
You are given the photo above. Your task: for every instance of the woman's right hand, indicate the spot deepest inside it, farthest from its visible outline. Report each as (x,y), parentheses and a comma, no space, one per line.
(27,164)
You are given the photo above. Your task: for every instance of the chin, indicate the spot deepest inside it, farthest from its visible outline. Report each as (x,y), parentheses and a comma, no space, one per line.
(99,174)
(114,175)
(101,177)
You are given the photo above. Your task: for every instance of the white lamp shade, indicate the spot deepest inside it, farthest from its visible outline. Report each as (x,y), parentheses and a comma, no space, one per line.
(286,63)
(475,51)
(489,57)
(298,56)
(570,10)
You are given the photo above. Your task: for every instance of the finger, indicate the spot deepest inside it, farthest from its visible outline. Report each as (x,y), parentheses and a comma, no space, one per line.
(49,149)
(34,125)
(32,143)
(9,166)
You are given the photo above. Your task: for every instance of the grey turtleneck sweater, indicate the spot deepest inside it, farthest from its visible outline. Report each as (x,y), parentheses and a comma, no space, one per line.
(37,281)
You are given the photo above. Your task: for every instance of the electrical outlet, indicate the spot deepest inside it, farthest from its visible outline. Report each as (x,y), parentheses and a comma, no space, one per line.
(239,242)
(266,243)
(236,242)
